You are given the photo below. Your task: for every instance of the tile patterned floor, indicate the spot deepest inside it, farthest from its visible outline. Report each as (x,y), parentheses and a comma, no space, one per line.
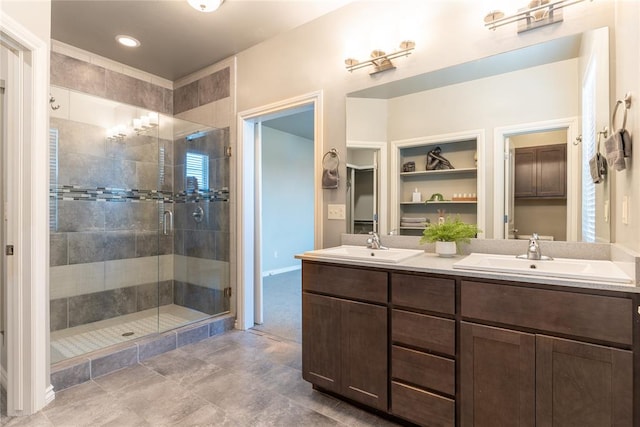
(235,379)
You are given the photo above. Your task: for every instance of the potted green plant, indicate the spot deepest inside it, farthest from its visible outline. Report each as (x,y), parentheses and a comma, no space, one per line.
(446,234)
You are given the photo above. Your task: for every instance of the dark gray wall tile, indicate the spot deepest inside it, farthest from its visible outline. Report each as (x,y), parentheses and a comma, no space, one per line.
(192,335)
(219,173)
(146,176)
(185,98)
(200,244)
(139,216)
(119,245)
(78,75)
(150,295)
(206,300)
(223,242)
(112,362)
(78,137)
(214,86)
(221,325)
(130,90)
(58,314)
(80,215)
(157,345)
(71,375)
(58,249)
(86,247)
(150,243)
(178,242)
(83,170)
(167,107)
(96,306)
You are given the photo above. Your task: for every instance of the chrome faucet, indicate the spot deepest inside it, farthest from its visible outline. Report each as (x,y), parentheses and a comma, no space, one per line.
(533,251)
(373,242)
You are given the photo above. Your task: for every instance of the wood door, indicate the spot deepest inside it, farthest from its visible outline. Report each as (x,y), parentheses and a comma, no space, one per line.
(525,172)
(321,320)
(364,353)
(551,174)
(582,385)
(497,377)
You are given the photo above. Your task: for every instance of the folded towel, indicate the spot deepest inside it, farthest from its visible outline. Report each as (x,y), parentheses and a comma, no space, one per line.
(411,219)
(614,151)
(330,178)
(597,168)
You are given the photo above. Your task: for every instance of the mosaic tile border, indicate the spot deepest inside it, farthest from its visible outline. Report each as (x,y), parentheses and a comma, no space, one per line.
(112,194)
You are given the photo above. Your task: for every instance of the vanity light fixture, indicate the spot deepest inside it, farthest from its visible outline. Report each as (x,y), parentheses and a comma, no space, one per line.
(205,5)
(381,61)
(538,13)
(127,41)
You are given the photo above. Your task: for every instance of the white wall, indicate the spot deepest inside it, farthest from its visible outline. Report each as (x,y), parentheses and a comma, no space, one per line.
(287,199)
(626,59)
(311,57)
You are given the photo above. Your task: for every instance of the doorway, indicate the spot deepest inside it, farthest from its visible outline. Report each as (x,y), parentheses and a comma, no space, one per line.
(253,230)
(286,206)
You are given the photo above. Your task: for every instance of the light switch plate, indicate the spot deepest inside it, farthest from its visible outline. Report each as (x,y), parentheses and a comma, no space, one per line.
(336,212)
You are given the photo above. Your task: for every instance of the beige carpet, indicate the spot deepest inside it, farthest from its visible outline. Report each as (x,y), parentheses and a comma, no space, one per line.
(282,305)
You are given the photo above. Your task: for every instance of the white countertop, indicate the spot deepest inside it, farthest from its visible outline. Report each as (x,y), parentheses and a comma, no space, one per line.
(432,263)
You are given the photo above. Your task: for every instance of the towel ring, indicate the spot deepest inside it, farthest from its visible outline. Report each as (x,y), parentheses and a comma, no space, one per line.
(627,104)
(333,153)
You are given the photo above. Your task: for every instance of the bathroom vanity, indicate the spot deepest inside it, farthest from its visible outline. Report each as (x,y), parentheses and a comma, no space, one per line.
(443,347)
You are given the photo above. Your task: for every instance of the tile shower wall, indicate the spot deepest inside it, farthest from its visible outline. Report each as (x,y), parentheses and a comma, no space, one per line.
(106,252)
(201,247)
(104,233)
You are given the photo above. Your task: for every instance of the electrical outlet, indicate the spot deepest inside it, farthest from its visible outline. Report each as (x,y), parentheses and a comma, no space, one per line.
(336,212)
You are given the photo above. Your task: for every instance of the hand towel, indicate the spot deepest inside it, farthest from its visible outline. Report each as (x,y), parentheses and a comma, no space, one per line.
(330,178)
(614,151)
(597,168)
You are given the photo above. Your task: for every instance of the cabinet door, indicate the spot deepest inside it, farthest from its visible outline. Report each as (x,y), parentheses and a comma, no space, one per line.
(525,172)
(364,353)
(497,377)
(321,340)
(551,174)
(582,385)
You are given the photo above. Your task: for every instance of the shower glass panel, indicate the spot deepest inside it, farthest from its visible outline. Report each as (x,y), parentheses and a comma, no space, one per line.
(125,260)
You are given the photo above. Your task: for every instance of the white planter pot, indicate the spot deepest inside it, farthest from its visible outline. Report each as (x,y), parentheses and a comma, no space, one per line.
(446,249)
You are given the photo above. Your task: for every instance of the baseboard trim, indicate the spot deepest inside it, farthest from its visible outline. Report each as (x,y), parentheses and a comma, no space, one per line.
(281,270)
(49,395)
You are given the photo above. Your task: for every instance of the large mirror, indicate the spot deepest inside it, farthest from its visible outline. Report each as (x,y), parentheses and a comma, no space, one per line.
(537,109)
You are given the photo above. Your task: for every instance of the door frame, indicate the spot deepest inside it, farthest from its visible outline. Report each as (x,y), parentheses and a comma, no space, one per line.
(28,383)
(248,201)
(572,125)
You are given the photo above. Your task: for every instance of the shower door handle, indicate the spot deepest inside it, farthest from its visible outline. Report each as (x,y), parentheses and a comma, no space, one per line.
(165,229)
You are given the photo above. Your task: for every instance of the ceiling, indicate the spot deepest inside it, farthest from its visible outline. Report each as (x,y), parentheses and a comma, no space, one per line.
(177,40)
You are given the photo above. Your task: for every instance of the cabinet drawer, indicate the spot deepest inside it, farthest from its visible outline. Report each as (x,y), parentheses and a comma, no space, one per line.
(421,407)
(422,369)
(422,331)
(581,315)
(423,293)
(354,283)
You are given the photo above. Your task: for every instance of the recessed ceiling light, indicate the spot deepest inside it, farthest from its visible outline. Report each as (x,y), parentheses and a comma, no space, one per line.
(127,41)
(205,5)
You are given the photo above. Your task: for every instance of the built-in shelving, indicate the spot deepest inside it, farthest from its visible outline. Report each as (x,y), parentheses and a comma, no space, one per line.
(461,150)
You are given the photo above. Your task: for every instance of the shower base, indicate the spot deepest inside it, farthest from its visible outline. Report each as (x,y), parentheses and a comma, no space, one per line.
(79,340)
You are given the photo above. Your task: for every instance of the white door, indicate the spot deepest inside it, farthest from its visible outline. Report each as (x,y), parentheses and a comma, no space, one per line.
(509,184)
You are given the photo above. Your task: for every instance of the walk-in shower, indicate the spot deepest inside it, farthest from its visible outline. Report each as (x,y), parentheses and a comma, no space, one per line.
(139,220)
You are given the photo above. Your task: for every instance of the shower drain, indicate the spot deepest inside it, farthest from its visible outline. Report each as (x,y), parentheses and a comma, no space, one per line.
(127,334)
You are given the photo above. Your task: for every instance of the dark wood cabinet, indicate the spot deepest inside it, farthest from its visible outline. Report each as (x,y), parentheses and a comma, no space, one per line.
(525,355)
(541,172)
(497,377)
(344,343)
(582,385)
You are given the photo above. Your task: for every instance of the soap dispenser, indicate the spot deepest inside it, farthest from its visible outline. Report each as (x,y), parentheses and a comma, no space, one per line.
(417,197)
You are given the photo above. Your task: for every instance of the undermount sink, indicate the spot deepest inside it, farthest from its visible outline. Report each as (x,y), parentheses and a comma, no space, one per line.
(361,253)
(559,267)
